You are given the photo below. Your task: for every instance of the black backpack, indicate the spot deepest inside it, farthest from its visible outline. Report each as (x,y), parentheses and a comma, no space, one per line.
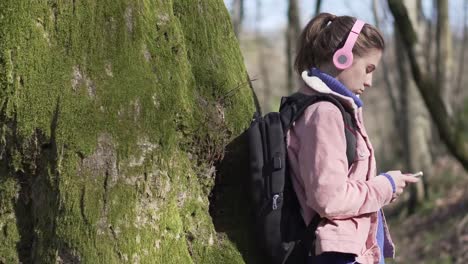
(282,232)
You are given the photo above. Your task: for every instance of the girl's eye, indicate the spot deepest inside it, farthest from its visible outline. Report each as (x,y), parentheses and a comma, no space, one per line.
(370,68)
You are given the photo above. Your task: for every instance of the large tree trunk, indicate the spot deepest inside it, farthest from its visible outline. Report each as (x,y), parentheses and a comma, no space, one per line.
(451,127)
(113,117)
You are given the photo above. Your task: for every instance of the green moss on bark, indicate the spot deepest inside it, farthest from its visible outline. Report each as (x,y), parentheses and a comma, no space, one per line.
(9,231)
(113,114)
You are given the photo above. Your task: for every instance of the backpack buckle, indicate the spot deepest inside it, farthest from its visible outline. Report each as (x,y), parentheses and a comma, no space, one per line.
(277,164)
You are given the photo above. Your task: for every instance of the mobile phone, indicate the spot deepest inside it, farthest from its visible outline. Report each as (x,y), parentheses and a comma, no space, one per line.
(418,174)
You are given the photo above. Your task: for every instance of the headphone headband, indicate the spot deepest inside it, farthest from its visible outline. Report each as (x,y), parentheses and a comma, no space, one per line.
(343,58)
(358,25)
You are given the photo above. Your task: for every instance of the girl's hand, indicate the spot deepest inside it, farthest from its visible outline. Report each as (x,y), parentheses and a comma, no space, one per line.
(401,181)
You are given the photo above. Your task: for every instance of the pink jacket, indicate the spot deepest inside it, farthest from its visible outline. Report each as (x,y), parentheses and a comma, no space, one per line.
(348,199)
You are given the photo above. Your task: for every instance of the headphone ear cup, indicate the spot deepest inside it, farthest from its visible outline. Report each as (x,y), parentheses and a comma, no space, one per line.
(343,59)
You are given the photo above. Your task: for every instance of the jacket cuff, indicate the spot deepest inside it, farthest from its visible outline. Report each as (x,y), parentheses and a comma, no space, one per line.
(390,179)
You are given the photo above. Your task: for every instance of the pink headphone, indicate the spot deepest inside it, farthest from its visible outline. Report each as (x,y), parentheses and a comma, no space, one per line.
(343,58)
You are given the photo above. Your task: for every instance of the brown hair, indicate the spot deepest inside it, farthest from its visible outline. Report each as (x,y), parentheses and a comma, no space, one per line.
(326,33)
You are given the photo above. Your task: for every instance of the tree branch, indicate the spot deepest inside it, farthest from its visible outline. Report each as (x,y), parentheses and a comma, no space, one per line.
(318,5)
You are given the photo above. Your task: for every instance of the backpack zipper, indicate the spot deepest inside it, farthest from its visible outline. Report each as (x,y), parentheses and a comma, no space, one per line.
(275,201)
(272,203)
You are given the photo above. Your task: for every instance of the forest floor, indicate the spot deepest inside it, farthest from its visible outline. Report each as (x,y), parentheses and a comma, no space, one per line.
(437,233)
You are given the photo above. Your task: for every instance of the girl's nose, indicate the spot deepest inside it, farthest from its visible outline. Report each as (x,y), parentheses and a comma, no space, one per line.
(368,82)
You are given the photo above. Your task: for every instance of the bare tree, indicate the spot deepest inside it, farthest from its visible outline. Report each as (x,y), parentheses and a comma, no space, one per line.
(444,56)
(390,90)
(451,127)
(237,16)
(415,129)
(318,6)
(292,34)
(461,64)
(262,60)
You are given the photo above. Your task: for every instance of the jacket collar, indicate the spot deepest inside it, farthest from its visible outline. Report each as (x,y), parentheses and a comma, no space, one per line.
(323,83)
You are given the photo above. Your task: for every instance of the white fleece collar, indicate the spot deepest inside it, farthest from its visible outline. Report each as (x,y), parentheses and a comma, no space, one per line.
(316,84)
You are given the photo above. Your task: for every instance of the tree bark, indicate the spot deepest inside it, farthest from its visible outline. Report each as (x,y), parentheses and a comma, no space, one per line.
(461,64)
(451,128)
(292,35)
(114,118)
(444,56)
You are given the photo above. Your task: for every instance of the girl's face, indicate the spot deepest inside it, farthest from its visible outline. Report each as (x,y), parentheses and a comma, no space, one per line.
(358,77)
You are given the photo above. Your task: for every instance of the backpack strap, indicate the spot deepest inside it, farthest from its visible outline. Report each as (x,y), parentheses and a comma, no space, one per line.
(292,108)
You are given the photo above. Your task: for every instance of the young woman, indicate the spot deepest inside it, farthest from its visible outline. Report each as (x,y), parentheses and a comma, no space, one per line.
(348,198)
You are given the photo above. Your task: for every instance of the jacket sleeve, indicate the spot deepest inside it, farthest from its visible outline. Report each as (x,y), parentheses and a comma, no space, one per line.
(324,168)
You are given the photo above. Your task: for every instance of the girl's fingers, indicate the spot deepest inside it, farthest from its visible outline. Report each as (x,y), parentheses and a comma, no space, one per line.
(412,179)
(402,184)
(399,191)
